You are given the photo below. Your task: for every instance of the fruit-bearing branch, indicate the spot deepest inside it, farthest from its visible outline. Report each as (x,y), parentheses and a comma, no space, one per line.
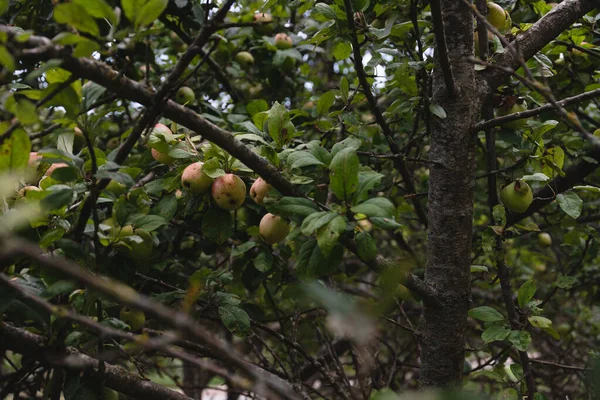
(42,49)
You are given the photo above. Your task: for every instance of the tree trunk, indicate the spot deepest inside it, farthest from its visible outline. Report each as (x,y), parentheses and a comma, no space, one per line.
(450,206)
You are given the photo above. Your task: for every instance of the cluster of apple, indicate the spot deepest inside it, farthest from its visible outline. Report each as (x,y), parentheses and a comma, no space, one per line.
(229,193)
(282,40)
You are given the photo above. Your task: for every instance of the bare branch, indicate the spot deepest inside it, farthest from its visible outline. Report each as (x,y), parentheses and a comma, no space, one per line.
(442,49)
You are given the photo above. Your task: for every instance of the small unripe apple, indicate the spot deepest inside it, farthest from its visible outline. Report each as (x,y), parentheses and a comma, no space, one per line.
(244,58)
(24,190)
(110,394)
(258,191)
(185,95)
(229,191)
(496,16)
(545,239)
(162,157)
(273,229)
(134,318)
(366,225)
(54,167)
(116,187)
(597,132)
(517,196)
(519,106)
(112,143)
(540,267)
(283,41)
(195,180)
(140,250)
(266,26)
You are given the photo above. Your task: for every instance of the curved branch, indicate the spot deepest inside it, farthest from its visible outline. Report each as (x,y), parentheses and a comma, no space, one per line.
(536,37)
(117,378)
(442,49)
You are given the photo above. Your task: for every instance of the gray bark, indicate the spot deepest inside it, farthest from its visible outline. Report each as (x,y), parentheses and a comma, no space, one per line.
(450,206)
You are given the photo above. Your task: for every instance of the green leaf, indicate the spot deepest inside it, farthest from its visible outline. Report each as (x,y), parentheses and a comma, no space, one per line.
(312,263)
(343,174)
(328,236)
(212,168)
(360,5)
(325,102)
(367,180)
(553,162)
(278,118)
(256,106)
(217,225)
(3,6)
(242,248)
(76,16)
(299,159)
(288,206)
(437,110)
(344,89)
(59,287)
(51,236)
(317,220)
(325,10)
(385,223)
(525,293)
(143,12)
(570,203)
(57,199)
(14,152)
(148,222)
(539,321)
(520,339)
(342,50)
(263,261)
(6,58)
(366,246)
(537,177)
(588,188)
(98,9)
(479,268)
(486,314)
(79,388)
(375,207)
(235,320)
(350,142)
(495,333)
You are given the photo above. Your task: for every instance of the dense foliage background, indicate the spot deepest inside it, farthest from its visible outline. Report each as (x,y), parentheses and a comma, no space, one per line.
(345,125)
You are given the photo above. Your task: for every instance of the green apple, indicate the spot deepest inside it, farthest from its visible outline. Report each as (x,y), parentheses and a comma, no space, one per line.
(273,229)
(283,41)
(597,132)
(545,239)
(517,196)
(245,59)
(185,95)
(140,250)
(519,106)
(265,24)
(195,180)
(258,191)
(113,143)
(496,16)
(116,187)
(134,318)
(539,267)
(229,191)
(110,394)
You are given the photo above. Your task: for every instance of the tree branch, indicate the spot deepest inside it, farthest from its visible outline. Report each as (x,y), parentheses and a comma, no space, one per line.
(536,111)
(442,49)
(117,378)
(536,37)
(181,322)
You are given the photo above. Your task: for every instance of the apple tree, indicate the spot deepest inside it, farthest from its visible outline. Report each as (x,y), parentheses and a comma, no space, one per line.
(337,199)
